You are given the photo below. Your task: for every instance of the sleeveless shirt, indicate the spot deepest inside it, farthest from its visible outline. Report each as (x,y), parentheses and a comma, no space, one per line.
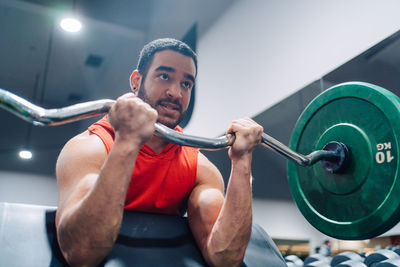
(160,183)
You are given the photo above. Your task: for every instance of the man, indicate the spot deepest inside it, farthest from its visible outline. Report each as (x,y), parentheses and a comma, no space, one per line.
(120,164)
(326,248)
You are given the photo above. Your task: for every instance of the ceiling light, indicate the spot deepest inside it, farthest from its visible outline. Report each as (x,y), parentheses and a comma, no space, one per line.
(71,25)
(25,154)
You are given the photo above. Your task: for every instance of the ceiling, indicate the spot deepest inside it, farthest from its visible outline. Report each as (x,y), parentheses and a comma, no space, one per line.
(53,68)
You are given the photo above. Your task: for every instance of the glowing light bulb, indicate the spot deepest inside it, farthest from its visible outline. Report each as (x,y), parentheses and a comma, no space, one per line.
(25,154)
(71,25)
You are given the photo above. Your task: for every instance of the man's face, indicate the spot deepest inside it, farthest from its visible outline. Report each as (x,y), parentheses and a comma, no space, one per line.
(168,85)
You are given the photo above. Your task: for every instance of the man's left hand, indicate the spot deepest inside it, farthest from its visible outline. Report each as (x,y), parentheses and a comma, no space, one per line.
(248,137)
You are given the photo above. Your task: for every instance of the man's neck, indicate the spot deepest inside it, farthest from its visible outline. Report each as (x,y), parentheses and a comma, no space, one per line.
(157,143)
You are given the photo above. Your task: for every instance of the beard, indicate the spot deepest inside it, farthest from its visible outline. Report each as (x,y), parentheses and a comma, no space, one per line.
(167,122)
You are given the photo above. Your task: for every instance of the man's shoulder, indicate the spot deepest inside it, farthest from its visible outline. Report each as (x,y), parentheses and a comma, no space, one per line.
(85,137)
(84,145)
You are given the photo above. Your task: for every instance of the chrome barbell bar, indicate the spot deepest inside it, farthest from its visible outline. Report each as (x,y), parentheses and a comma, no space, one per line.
(52,117)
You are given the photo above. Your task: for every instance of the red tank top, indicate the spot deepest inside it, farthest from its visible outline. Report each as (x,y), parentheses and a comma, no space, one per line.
(160,183)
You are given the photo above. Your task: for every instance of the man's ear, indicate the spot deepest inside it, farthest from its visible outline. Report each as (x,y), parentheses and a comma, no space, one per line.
(134,81)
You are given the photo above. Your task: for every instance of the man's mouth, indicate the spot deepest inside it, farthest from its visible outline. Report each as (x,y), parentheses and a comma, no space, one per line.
(170,105)
(170,112)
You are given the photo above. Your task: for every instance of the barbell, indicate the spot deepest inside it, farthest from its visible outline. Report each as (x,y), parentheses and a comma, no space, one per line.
(351,130)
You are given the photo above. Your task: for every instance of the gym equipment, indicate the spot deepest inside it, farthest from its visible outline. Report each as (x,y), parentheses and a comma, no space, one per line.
(347,137)
(346,256)
(361,200)
(316,258)
(351,263)
(394,248)
(380,256)
(297,262)
(144,240)
(53,117)
(317,264)
(389,263)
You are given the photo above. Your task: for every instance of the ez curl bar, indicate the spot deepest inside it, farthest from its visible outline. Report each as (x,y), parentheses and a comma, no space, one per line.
(53,117)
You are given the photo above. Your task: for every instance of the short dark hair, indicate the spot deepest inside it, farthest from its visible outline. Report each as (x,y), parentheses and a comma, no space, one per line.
(147,54)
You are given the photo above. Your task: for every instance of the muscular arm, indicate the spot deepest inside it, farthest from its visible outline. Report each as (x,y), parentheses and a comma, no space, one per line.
(222,226)
(92,188)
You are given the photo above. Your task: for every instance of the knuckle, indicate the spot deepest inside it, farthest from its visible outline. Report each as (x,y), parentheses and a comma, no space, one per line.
(154,112)
(128,95)
(118,102)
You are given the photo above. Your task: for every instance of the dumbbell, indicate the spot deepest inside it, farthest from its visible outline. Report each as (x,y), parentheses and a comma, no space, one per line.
(351,263)
(295,260)
(314,259)
(346,256)
(380,256)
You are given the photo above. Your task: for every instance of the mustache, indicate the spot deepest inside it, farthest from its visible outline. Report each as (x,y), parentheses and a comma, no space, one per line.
(167,100)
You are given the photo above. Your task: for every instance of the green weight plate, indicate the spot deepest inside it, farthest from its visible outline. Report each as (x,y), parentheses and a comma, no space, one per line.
(362,200)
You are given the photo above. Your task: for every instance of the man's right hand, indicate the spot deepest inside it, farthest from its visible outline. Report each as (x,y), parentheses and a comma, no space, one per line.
(132,119)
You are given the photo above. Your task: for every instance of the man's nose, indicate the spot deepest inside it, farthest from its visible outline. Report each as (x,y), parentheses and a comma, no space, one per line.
(174,91)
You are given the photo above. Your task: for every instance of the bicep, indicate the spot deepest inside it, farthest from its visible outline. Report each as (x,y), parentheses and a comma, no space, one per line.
(205,201)
(77,169)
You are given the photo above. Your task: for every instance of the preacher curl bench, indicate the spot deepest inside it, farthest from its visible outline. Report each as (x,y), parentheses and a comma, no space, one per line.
(28,238)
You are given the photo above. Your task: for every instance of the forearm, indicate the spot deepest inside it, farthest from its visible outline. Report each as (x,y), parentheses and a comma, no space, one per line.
(231,232)
(88,230)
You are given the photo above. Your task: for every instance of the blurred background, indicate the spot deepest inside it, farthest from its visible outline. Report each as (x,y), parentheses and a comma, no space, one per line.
(262,59)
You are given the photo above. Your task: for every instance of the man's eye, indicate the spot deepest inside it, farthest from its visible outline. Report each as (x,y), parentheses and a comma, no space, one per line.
(186,85)
(164,76)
